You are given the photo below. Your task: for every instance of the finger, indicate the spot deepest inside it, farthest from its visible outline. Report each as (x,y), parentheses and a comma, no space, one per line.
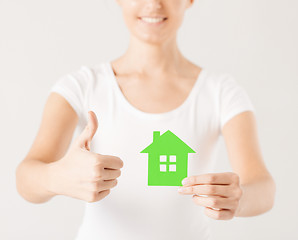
(110,162)
(84,139)
(100,185)
(212,190)
(214,202)
(108,174)
(107,184)
(96,196)
(221,214)
(210,178)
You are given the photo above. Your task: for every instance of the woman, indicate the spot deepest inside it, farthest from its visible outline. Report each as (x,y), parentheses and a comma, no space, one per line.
(151,96)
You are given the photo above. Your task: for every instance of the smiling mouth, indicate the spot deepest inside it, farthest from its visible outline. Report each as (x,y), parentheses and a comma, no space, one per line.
(152,20)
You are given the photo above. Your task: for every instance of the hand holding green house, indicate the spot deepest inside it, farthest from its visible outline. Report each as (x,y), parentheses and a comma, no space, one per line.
(167,159)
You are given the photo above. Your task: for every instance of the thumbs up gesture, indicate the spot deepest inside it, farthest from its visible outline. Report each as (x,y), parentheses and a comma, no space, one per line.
(83,174)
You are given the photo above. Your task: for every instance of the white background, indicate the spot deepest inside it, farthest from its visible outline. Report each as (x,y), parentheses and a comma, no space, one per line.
(254,40)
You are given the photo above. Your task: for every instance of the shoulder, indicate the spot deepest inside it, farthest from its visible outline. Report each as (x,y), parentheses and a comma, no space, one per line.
(219,77)
(83,72)
(78,81)
(86,75)
(100,69)
(216,80)
(90,70)
(98,72)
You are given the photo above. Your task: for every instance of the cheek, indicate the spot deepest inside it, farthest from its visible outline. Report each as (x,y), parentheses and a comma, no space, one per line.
(173,24)
(133,3)
(130,17)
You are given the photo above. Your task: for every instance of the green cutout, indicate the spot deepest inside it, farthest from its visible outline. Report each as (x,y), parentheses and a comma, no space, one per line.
(167,159)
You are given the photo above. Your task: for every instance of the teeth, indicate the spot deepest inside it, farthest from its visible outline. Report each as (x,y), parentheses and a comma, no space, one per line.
(152,20)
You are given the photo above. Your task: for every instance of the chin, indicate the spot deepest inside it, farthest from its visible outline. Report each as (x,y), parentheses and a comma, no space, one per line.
(150,38)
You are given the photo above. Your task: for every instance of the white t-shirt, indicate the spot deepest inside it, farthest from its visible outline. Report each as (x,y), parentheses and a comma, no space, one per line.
(134,210)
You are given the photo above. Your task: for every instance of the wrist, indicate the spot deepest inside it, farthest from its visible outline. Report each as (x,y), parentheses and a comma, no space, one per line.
(238,211)
(240,204)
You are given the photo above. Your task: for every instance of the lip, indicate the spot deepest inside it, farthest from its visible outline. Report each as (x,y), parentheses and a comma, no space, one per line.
(153,24)
(152,17)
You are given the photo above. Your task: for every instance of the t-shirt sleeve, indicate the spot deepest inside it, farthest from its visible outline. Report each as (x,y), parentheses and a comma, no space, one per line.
(73,87)
(234,99)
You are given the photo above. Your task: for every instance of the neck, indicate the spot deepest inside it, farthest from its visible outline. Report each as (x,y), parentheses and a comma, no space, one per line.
(153,59)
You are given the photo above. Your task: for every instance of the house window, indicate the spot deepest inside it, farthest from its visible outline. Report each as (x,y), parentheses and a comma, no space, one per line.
(163,167)
(172,167)
(163,159)
(172,158)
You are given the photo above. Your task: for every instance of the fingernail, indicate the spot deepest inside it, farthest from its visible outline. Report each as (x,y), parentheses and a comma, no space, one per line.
(180,189)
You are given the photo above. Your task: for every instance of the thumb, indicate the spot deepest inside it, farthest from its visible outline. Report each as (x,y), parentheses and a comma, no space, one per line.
(85,138)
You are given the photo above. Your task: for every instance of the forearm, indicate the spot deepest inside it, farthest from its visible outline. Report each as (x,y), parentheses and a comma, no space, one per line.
(32,181)
(257,197)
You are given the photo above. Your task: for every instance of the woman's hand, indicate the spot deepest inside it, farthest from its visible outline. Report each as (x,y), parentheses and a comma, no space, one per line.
(83,174)
(221,191)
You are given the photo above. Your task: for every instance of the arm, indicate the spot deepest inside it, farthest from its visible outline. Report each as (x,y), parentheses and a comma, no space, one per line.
(257,184)
(33,174)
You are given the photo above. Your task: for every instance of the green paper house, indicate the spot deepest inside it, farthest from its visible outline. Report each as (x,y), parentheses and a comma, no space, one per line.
(167,159)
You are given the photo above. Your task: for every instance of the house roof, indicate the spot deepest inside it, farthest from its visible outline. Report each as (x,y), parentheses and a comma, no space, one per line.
(167,143)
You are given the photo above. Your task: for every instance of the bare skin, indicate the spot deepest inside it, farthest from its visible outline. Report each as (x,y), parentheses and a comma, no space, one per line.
(147,92)
(53,168)
(152,61)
